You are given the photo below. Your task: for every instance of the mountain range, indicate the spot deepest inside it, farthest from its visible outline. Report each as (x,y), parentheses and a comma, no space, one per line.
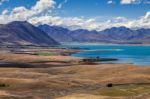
(121,35)
(24,33)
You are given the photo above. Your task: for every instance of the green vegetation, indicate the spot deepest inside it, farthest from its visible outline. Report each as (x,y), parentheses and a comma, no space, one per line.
(43,54)
(125,90)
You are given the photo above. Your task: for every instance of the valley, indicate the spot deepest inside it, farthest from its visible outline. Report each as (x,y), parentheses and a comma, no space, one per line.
(53,75)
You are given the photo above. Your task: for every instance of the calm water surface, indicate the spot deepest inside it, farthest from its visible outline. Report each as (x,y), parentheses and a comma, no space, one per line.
(138,54)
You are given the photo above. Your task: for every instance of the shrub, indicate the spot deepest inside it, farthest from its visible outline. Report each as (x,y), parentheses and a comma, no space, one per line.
(3,85)
(109,85)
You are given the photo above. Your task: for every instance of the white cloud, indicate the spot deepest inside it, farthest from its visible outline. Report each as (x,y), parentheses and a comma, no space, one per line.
(61,4)
(35,16)
(135,1)
(19,10)
(5,12)
(92,23)
(21,13)
(43,5)
(110,2)
(126,1)
(119,19)
(142,22)
(72,23)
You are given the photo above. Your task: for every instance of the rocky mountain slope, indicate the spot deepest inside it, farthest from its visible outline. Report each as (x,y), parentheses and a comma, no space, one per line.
(23,33)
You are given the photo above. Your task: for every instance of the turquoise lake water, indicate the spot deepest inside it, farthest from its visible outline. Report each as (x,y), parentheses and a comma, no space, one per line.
(138,54)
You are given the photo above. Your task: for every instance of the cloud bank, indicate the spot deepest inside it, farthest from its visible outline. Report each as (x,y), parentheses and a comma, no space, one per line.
(21,13)
(37,14)
(135,1)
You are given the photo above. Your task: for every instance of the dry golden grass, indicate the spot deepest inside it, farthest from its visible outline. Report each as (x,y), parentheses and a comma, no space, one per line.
(88,96)
(64,77)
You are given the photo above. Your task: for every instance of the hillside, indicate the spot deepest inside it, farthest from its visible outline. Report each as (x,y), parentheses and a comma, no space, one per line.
(58,33)
(23,33)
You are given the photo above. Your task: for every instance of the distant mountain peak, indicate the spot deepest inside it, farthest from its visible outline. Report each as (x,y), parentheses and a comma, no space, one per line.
(19,22)
(112,35)
(24,33)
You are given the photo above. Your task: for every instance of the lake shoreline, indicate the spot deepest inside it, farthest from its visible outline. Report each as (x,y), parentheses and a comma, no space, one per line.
(105,44)
(138,55)
(57,75)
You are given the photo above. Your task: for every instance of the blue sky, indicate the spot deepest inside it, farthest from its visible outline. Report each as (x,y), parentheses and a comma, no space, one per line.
(87,10)
(93,8)
(90,8)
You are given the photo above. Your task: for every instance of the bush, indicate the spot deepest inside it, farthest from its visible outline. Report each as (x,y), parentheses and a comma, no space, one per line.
(43,54)
(109,85)
(3,85)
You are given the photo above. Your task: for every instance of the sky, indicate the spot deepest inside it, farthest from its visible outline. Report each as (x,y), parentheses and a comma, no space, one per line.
(78,14)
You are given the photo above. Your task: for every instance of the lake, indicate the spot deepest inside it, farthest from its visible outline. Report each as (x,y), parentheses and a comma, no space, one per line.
(130,54)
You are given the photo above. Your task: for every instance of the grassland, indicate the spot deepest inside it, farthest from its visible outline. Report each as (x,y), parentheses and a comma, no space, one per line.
(54,75)
(44,54)
(125,90)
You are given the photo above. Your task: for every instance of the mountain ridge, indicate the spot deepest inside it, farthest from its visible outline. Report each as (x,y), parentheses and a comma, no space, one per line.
(111,35)
(24,33)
